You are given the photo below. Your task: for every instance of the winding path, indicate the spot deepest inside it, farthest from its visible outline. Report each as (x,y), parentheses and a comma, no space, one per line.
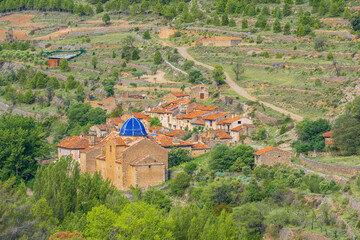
(241,91)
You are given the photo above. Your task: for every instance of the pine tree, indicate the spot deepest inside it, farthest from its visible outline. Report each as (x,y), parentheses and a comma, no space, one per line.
(157,58)
(224,20)
(244,23)
(286,10)
(276,26)
(300,31)
(232,23)
(346,14)
(329,56)
(287,29)
(147,35)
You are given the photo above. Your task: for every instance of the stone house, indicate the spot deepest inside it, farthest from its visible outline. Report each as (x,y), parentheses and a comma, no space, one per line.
(212,137)
(168,142)
(109,104)
(170,97)
(328,138)
(200,92)
(231,123)
(212,120)
(271,156)
(114,124)
(72,146)
(178,133)
(100,130)
(241,130)
(129,158)
(185,121)
(199,148)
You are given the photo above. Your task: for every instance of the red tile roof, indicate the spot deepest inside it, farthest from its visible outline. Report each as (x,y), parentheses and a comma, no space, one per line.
(200,145)
(106,100)
(155,128)
(99,144)
(179,94)
(167,141)
(215,116)
(181,100)
(192,115)
(327,134)
(173,133)
(198,121)
(140,115)
(268,149)
(75,142)
(223,135)
(238,128)
(102,127)
(118,141)
(205,108)
(230,120)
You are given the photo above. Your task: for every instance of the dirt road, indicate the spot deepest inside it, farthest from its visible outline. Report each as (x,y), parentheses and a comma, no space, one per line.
(241,91)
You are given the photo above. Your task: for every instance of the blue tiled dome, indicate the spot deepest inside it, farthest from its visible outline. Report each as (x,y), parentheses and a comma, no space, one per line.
(133,127)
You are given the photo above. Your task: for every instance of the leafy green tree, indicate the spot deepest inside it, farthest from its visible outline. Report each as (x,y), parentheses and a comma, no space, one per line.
(218,74)
(22,142)
(238,69)
(138,73)
(147,35)
(178,156)
(100,221)
(157,58)
(99,8)
(287,29)
(180,183)
(190,168)
(278,217)
(106,18)
(155,122)
(157,198)
(221,158)
(276,26)
(188,65)
(329,56)
(248,220)
(64,65)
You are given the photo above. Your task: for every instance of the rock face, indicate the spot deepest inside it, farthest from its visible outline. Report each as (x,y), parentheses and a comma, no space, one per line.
(265,119)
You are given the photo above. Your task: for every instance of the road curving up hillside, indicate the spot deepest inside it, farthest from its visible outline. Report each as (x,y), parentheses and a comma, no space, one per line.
(241,91)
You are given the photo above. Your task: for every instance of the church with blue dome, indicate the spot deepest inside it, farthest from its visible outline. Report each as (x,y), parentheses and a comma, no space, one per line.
(133,127)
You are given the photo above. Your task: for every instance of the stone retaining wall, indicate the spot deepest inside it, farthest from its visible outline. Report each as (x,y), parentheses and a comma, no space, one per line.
(337,169)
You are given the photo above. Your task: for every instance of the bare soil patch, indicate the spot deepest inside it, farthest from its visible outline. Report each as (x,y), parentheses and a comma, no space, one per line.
(157,78)
(166,33)
(334,21)
(20,20)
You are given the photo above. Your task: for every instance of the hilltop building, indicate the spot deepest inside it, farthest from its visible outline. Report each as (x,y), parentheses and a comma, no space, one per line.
(200,92)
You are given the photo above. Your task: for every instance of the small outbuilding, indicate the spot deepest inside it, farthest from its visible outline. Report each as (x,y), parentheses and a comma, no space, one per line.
(271,156)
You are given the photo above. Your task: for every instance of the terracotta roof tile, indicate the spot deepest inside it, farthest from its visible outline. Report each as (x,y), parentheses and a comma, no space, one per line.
(181,100)
(74,142)
(99,144)
(205,108)
(327,134)
(238,128)
(102,127)
(118,141)
(223,135)
(173,133)
(192,115)
(109,99)
(199,121)
(230,120)
(215,116)
(140,115)
(200,145)
(116,121)
(179,94)
(167,141)
(155,128)
(268,149)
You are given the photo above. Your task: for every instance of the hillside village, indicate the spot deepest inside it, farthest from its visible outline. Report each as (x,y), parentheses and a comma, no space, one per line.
(164,119)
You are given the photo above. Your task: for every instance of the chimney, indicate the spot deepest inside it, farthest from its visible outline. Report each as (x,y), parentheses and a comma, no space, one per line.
(92,138)
(81,135)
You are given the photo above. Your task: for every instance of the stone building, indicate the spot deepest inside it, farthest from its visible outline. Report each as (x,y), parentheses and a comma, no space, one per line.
(200,92)
(238,132)
(72,146)
(212,120)
(231,123)
(199,149)
(170,97)
(127,159)
(271,156)
(109,104)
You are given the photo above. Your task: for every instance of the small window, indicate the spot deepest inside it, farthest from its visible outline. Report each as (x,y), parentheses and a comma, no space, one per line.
(279,156)
(239,122)
(149,166)
(110,148)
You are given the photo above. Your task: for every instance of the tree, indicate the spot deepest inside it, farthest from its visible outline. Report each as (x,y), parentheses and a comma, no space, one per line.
(99,8)
(188,65)
(238,69)
(225,19)
(287,29)
(278,217)
(346,14)
(64,65)
(94,62)
(178,156)
(232,23)
(157,58)
(138,73)
(276,26)
(320,43)
(113,54)
(180,183)
(286,10)
(106,18)
(29,97)
(147,35)
(155,122)
(22,142)
(300,31)
(218,74)
(190,168)
(157,198)
(248,220)
(244,23)
(329,56)
(221,158)
(99,222)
